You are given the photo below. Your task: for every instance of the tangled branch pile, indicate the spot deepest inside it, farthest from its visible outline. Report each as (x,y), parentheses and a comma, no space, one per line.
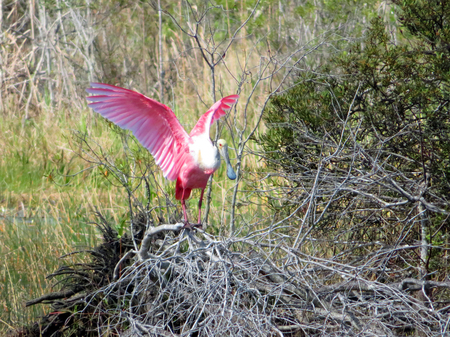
(194,284)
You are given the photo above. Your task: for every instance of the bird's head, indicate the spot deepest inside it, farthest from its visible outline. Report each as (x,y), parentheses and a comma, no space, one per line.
(223,150)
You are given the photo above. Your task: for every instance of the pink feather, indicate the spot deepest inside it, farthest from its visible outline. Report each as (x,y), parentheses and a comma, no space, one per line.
(158,130)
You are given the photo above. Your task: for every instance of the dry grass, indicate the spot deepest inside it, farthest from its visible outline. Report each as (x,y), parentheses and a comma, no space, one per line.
(47,58)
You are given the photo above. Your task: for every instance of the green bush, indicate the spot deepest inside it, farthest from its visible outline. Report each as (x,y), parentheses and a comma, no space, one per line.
(366,144)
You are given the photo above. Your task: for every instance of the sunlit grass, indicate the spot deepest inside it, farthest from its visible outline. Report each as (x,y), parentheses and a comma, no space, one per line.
(48,195)
(44,212)
(30,248)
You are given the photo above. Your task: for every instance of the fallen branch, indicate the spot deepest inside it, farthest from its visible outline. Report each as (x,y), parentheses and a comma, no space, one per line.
(152,231)
(51,297)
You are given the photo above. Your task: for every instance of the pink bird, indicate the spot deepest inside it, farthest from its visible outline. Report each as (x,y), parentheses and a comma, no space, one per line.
(190,159)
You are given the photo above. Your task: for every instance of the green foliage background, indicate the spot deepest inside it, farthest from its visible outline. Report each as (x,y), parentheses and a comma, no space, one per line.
(376,112)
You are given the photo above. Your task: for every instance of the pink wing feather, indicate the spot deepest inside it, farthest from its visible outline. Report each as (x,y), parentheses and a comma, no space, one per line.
(219,109)
(153,124)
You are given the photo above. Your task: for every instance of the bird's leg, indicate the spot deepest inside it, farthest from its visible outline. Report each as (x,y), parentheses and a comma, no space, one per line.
(186,222)
(200,207)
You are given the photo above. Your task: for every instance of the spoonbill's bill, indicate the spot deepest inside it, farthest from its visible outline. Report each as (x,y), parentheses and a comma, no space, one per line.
(190,159)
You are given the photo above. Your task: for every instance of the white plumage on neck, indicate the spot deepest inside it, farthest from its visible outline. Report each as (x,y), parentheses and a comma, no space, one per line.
(206,155)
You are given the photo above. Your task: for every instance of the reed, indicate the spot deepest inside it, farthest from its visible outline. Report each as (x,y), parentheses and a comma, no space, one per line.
(48,192)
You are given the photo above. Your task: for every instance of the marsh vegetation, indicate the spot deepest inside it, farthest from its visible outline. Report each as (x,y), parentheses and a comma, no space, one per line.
(337,223)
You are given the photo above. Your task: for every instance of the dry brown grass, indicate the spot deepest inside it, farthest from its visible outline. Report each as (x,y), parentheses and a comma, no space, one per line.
(49,54)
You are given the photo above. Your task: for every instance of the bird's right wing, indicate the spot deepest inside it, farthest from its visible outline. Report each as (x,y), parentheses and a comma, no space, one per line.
(153,124)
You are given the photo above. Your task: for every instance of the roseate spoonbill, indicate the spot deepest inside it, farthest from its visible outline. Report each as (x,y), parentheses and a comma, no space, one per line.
(190,159)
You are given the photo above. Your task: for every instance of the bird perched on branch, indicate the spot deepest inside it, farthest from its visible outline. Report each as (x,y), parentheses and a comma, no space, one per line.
(190,159)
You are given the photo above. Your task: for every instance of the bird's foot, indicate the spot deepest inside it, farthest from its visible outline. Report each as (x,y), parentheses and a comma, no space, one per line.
(190,226)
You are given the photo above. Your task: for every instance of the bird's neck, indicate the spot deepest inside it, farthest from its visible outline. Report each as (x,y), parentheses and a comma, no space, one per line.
(205,154)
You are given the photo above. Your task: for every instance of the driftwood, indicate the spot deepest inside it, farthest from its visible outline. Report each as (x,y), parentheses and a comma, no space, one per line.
(184,282)
(48,298)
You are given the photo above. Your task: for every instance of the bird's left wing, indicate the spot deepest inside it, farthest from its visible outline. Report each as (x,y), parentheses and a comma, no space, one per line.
(153,123)
(214,113)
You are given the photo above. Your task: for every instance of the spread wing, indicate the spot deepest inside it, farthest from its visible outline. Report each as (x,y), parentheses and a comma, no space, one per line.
(153,123)
(219,109)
